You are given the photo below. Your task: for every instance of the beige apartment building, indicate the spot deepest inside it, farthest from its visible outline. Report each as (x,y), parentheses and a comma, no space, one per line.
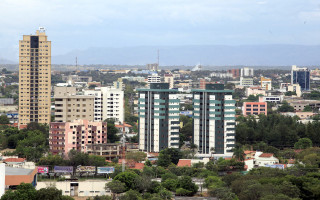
(69,106)
(34,78)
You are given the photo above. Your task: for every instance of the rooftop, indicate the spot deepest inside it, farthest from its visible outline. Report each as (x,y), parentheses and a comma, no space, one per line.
(18,171)
(15,160)
(266,155)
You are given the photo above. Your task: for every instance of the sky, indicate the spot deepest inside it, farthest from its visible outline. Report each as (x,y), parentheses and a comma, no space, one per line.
(81,24)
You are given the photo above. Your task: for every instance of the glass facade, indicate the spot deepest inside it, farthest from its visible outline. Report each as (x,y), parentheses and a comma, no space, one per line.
(302,78)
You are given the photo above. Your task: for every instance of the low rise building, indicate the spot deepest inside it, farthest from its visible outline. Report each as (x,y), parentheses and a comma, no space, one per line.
(266,83)
(295,88)
(246,81)
(271,99)
(254,108)
(255,91)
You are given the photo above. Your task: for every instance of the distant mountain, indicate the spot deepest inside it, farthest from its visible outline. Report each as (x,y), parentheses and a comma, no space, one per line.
(5,61)
(216,55)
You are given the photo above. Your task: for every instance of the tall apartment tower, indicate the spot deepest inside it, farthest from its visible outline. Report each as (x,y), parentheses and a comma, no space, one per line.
(214,121)
(246,72)
(108,103)
(300,76)
(158,118)
(34,78)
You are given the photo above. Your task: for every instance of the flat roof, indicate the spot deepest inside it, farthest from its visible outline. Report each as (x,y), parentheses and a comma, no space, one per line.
(18,171)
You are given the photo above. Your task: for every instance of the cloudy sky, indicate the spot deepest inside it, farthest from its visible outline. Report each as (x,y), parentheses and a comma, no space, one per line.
(80,24)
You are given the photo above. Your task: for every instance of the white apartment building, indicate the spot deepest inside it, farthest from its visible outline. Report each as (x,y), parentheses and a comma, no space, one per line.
(108,103)
(214,121)
(154,78)
(246,72)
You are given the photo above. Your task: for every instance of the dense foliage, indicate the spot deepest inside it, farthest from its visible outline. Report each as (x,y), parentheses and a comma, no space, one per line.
(276,130)
(27,191)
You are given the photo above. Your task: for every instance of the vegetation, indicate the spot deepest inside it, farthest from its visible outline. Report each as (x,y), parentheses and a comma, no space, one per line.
(275,130)
(27,191)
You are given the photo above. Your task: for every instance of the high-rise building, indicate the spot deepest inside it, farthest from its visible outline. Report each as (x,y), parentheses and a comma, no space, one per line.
(246,72)
(153,67)
(108,103)
(34,78)
(69,106)
(235,72)
(158,118)
(300,76)
(214,121)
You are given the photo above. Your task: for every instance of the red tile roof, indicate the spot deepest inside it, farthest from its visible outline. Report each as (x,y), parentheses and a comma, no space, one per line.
(184,163)
(15,160)
(266,155)
(138,166)
(247,152)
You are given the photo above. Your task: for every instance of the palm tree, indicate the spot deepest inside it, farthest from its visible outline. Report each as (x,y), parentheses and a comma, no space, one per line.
(238,153)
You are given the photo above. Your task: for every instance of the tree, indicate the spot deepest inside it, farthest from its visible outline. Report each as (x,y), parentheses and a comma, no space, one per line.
(169,155)
(186,183)
(148,163)
(238,153)
(128,178)
(116,186)
(285,107)
(4,119)
(131,195)
(307,108)
(33,146)
(303,143)
(223,193)
(170,184)
(51,193)
(138,156)
(290,93)
(51,160)
(112,131)
(24,191)
(165,194)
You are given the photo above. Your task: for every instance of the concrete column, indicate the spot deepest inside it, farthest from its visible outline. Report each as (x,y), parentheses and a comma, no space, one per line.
(2,178)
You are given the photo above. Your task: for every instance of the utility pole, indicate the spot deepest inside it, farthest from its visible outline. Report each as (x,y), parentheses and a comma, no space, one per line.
(76,63)
(158,58)
(123,151)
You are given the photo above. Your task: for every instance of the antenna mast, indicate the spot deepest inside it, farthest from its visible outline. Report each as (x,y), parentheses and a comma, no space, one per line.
(158,57)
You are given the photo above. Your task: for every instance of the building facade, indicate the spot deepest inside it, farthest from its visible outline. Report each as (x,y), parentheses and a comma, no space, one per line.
(235,72)
(254,108)
(214,121)
(246,81)
(69,106)
(34,78)
(266,83)
(300,76)
(246,72)
(158,118)
(154,78)
(168,78)
(108,103)
(64,136)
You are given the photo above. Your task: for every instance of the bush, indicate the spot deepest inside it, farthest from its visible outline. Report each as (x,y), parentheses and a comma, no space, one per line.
(183,192)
